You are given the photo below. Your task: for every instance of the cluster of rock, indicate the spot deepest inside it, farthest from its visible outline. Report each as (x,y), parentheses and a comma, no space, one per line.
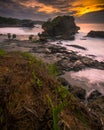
(99,34)
(61,27)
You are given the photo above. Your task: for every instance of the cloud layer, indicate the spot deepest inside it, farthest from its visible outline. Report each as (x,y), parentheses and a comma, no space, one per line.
(44,9)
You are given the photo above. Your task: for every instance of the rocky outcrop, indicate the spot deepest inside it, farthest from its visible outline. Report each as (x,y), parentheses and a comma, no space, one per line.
(61,27)
(99,34)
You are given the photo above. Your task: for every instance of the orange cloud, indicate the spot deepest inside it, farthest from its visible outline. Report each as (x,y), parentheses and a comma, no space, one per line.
(77,7)
(40,7)
(86,6)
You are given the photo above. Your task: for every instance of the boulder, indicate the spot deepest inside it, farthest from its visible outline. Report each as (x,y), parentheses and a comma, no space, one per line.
(99,34)
(61,27)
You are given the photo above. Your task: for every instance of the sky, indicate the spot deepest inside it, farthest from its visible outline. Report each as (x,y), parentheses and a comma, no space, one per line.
(45,9)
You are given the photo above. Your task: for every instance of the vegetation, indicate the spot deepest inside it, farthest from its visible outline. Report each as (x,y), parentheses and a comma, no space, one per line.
(56,110)
(2,52)
(4,21)
(32,99)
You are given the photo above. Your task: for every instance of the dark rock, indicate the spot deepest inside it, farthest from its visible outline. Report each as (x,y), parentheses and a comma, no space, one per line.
(78,65)
(99,34)
(57,49)
(61,27)
(78,92)
(77,46)
(95,94)
(63,81)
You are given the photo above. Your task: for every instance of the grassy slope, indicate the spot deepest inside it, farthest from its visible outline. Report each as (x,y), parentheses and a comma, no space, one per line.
(29,94)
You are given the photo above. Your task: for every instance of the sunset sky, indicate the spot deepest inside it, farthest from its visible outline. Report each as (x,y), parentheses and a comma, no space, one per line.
(44,9)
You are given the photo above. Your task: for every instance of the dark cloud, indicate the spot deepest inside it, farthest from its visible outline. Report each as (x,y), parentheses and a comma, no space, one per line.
(62,5)
(24,8)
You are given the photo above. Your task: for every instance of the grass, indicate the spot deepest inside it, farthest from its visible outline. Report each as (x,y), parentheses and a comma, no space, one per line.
(53,69)
(37,80)
(2,52)
(56,110)
(62,91)
(31,98)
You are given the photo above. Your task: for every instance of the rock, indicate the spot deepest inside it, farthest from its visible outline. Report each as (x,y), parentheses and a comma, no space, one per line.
(78,65)
(63,81)
(99,34)
(61,27)
(95,94)
(78,92)
(77,46)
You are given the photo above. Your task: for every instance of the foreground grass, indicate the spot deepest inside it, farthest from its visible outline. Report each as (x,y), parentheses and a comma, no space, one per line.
(32,99)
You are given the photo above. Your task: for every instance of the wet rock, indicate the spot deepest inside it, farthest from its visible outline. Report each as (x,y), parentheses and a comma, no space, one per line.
(95,94)
(57,49)
(78,92)
(78,65)
(77,46)
(99,34)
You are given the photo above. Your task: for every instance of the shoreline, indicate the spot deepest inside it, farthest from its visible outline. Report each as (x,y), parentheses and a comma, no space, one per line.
(66,61)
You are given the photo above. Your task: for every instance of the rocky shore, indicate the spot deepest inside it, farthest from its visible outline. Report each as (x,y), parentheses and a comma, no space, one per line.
(65,61)
(96,34)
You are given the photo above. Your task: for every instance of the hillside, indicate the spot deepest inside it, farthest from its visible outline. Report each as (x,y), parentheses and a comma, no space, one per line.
(14,22)
(31,98)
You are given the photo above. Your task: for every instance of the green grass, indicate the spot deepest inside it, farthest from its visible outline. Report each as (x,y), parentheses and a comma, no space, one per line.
(37,80)
(62,91)
(2,52)
(52,69)
(27,55)
(56,110)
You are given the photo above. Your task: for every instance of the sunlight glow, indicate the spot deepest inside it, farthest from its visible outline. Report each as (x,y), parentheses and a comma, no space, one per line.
(79,7)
